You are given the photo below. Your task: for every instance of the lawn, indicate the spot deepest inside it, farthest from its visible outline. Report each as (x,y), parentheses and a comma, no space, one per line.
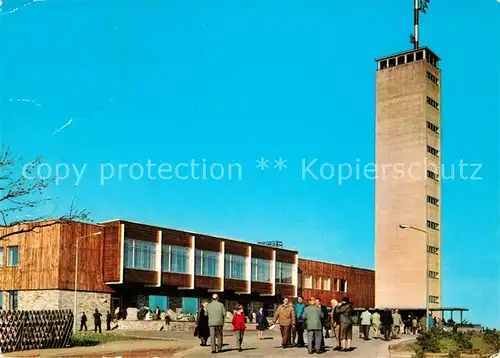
(89,339)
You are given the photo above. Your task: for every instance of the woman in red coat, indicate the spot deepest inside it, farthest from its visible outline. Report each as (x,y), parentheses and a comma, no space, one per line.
(239,326)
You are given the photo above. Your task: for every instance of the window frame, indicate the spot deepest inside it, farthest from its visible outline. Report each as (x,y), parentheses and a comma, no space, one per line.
(9,263)
(279,269)
(254,275)
(167,251)
(203,256)
(134,254)
(228,271)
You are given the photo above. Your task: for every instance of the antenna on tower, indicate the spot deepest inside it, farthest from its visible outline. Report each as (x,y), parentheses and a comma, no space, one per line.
(420,5)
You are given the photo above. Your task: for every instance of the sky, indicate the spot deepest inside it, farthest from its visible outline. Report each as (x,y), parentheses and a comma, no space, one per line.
(107,86)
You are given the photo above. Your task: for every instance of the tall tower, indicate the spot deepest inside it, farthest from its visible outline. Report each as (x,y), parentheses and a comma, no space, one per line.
(408,189)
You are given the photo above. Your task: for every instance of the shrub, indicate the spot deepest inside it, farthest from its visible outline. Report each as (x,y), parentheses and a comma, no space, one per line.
(429,341)
(492,338)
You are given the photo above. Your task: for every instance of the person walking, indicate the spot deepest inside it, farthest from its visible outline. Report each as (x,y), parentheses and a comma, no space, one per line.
(386,321)
(366,321)
(108,321)
(216,314)
(376,324)
(97,321)
(335,322)
(313,316)
(407,324)
(202,331)
(262,323)
(285,316)
(83,321)
(298,329)
(239,326)
(345,311)
(414,325)
(397,321)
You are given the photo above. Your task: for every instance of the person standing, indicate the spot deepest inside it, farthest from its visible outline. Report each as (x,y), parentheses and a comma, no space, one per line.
(262,324)
(386,321)
(313,316)
(202,331)
(376,324)
(345,311)
(108,321)
(216,314)
(285,315)
(298,329)
(335,322)
(366,321)
(239,326)
(83,321)
(97,321)
(323,310)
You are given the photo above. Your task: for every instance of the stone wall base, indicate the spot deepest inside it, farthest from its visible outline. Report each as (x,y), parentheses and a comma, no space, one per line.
(61,300)
(175,326)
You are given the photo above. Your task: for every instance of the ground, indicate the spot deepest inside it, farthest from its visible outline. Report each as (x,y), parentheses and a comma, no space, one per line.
(183,344)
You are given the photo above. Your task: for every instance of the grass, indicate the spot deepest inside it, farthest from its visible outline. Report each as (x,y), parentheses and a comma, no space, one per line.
(90,339)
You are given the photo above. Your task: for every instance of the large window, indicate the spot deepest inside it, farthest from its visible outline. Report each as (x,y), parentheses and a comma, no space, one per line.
(234,267)
(317,283)
(284,273)
(261,270)
(139,254)
(308,281)
(207,263)
(175,259)
(12,255)
(326,284)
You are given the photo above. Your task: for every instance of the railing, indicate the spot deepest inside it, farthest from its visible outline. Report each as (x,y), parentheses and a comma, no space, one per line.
(24,330)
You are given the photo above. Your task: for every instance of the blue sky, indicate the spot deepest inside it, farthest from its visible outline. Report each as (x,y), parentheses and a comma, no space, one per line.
(233,81)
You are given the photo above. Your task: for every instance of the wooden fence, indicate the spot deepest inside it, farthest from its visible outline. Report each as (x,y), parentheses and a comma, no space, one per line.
(23,330)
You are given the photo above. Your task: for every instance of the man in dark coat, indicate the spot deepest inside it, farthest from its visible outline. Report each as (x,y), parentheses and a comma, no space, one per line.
(83,322)
(386,321)
(97,321)
(108,321)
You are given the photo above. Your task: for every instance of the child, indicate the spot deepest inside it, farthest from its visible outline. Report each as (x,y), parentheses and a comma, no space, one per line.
(262,323)
(239,325)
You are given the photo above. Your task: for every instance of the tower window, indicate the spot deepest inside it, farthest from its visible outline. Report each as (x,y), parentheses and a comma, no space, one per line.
(432,225)
(432,77)
(433,274)
(420,55)
(433,127)
(392,62)
(433,299)
(432,150)
(432,175)
(432,103)
(432,200)
(432,249)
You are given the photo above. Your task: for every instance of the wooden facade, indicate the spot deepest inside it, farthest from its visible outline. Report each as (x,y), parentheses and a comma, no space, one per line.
(359,283)
(47,261)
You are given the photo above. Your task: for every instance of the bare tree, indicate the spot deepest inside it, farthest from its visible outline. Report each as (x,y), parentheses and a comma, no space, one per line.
(20,192)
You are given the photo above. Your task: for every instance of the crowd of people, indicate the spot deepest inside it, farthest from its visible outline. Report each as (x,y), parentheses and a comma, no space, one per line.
(293,320)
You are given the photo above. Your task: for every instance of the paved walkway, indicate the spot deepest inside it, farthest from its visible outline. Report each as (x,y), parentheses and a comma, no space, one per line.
(183,344)
(271,346)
